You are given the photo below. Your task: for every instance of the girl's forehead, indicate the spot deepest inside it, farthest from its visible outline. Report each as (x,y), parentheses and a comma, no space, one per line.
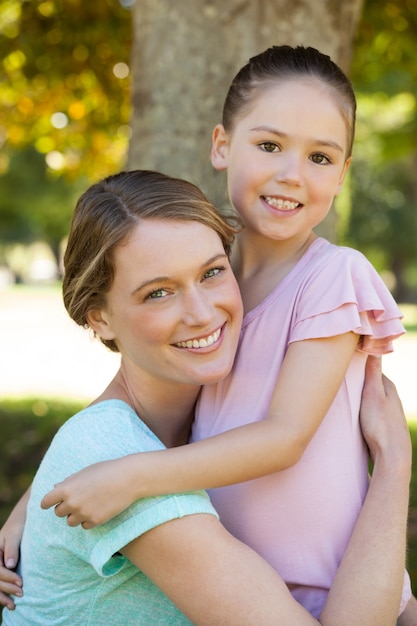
(290,96)
(287,88)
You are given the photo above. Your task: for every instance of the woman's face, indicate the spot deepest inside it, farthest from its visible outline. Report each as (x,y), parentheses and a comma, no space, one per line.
(174,308)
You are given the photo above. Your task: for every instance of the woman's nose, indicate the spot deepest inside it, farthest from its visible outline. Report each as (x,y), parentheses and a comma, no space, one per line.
(198,308)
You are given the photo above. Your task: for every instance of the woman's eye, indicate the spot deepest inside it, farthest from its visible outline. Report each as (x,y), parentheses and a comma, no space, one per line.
(269,146)
(320,158)
(158,293)
(214,271)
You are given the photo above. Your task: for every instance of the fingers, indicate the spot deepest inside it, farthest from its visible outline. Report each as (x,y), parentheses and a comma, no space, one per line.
(374,366)
(373,375)
(52,498)
(375,380)
(63,510)
(11,552)
(10,583)
(88,525)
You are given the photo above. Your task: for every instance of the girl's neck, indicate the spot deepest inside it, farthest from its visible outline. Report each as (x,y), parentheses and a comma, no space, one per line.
(167,409)
(260,264)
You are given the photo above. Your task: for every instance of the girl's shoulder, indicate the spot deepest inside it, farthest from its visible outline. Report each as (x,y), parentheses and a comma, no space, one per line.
(330,258)
(334,251)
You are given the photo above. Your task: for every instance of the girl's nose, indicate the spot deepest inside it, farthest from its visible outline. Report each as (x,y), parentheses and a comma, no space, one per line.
(290,170)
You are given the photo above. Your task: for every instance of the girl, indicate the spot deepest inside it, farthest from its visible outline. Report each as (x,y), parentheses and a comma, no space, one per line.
(313,311)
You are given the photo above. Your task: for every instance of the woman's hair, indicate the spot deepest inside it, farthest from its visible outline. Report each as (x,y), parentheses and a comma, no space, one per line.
(107,213)
(280,63)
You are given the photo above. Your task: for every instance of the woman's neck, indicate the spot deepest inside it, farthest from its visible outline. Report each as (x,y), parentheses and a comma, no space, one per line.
(167,409)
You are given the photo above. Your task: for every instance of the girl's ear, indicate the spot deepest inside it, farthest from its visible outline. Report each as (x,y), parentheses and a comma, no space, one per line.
(219,148)
(343,175)
(98,321)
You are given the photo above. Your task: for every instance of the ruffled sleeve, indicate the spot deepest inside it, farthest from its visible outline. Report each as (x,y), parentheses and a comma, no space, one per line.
(346,294)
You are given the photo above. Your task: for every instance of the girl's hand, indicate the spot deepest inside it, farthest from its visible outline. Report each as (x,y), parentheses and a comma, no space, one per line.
(93,495)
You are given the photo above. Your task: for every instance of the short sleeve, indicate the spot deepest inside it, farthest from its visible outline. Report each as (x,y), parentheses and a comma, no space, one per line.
(101,432)
(346,294)
(137,520)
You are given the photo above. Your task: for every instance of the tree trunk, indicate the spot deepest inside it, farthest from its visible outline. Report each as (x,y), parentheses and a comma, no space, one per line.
(185,55)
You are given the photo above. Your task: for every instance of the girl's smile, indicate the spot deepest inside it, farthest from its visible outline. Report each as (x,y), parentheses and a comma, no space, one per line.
(285,159)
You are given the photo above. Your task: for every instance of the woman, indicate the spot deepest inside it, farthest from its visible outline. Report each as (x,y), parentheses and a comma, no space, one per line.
(147,269)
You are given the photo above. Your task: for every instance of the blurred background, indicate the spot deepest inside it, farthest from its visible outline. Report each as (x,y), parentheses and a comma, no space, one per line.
(87,89)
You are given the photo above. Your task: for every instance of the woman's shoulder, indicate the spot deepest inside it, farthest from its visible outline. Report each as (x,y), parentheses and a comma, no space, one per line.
(105,421)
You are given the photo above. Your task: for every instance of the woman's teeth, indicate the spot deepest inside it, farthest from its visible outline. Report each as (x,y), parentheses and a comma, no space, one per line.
(200,343)
(278,203)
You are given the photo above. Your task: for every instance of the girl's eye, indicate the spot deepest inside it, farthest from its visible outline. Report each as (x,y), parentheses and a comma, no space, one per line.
(214,271)
(319,158)
(157,294)
(269,146)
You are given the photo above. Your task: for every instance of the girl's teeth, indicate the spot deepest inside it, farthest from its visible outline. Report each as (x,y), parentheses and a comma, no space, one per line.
(278,203)
(200,343)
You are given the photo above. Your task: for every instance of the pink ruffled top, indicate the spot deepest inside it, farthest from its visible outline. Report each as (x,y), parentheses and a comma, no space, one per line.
(300,520)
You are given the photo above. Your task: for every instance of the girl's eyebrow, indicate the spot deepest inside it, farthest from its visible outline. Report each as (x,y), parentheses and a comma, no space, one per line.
(162,279)
(278,133)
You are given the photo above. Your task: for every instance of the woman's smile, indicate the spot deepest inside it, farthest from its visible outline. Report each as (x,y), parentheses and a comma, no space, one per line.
(201,342)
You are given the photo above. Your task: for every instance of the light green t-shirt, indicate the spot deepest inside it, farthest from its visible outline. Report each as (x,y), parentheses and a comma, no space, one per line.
(75,577)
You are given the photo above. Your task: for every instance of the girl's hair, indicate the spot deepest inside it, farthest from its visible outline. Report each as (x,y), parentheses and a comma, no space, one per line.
(281,63)
(107,213)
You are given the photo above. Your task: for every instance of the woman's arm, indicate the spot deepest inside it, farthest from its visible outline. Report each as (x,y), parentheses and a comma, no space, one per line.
(213,578)
(409,616)
(368,585)
(385,509)
(10,539)
(308,381)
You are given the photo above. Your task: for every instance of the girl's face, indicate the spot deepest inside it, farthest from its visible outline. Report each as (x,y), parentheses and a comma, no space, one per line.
(285,158)
(174,308)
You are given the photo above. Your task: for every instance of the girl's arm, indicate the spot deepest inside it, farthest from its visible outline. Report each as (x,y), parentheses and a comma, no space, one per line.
(10,539)
(214,579)
(308,381)
(193,549)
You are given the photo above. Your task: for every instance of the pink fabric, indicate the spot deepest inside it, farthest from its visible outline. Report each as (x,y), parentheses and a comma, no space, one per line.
(300,520)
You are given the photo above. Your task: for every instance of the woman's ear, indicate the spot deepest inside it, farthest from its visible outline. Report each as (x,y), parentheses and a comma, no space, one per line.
(219,148)
(99,322)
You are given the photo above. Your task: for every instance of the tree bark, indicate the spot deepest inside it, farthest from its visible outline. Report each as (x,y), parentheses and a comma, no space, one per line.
(185,54)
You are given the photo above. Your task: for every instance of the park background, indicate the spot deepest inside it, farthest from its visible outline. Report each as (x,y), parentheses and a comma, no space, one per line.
(87,89)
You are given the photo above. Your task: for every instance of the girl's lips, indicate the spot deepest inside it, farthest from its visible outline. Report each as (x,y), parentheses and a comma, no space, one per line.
(281,203)
(202,342)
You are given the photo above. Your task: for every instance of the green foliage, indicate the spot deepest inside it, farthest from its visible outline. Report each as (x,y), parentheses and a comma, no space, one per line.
(33,204)
(382,220)
(65,82)
(64,109)
(27,428)
(412,534)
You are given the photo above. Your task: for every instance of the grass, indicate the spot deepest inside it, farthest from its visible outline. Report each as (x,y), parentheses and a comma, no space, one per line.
(27,427)
(412,534)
